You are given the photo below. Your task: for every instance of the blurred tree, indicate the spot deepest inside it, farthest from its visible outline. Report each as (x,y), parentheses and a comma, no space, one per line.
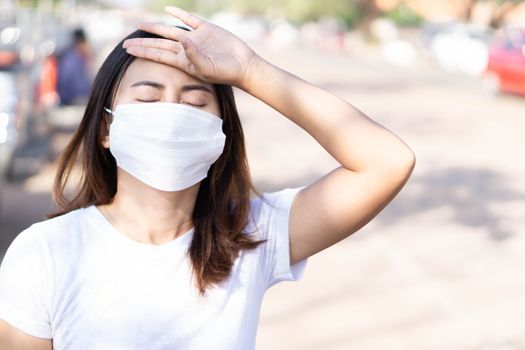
(311,10)
(403,16)
(27,3)
(500,9)
(250,7)
(158,5)
(294,10)
(354,13)
(368,11)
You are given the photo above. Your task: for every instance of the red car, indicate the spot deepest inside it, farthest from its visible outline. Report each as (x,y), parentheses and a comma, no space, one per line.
(506,65)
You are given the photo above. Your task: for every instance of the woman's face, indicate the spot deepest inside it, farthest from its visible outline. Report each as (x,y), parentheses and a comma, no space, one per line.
(147,81)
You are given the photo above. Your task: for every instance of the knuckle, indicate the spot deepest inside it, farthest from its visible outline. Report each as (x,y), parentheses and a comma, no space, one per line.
(150,54)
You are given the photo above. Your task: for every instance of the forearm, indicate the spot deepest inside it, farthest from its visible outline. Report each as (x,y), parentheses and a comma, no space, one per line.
(353,139)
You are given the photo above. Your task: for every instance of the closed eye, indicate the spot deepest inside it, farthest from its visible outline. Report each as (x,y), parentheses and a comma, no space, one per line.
(194,105)
(190,104)
(146,100)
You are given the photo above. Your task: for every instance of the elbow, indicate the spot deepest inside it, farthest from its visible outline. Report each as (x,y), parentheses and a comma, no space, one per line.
(406,164)
(397,165)
(409,162)
(402,166)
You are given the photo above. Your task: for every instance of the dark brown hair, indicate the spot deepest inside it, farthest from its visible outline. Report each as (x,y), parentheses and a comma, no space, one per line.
(223,202)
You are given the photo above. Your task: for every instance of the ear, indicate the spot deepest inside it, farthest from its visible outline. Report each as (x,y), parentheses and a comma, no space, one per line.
(105,130)
(105,142)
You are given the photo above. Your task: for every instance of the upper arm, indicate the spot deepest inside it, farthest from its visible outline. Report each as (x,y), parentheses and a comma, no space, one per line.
(339,204)
(14,339)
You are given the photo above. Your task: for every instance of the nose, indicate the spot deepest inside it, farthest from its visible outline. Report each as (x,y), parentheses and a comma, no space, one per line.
(171,94)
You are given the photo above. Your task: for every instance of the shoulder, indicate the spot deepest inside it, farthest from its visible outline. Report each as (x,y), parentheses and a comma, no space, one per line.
(272,206)
(48,232)
(278,199)
(59,223)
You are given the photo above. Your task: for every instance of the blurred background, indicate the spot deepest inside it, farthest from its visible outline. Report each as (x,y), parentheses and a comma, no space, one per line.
(442,266)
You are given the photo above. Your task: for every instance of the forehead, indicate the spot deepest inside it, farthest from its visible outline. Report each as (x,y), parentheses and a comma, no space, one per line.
(142,69)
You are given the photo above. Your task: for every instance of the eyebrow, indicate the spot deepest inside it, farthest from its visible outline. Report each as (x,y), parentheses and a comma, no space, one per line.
(191,87)
(148,83)
(185,88)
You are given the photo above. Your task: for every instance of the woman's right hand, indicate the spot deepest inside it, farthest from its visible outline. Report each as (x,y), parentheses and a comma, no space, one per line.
(207,52)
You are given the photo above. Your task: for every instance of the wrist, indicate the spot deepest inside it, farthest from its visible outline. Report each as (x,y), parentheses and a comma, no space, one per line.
(253,67)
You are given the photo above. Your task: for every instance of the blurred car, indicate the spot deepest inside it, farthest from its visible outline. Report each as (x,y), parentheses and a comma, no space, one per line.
(9,120)
(506,65)
(458,47)
(9,50)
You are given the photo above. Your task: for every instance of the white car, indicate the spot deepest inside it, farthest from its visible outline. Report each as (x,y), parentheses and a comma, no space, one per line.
(9,123)
(458,47)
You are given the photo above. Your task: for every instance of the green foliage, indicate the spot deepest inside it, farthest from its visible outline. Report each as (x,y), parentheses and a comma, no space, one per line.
(27,3)
(351,12)
(158,5)
(500,1)
(404,16)
(295,10)
(307,10)
(249,6)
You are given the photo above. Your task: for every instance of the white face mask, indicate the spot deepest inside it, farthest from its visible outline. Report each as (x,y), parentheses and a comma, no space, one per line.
(168,146)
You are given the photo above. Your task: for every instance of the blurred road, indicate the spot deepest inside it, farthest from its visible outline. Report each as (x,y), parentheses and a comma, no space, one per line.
(441,267)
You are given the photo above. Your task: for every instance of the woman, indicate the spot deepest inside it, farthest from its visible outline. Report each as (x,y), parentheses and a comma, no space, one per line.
(160,245)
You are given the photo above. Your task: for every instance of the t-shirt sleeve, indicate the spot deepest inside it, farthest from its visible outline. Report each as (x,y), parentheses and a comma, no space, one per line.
(274,219)
(24,286)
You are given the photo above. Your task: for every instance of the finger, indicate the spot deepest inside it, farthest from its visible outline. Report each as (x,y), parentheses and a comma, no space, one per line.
(164,44)
(190,49)
(186,17)
(198,64)
(163,30)
(159,55)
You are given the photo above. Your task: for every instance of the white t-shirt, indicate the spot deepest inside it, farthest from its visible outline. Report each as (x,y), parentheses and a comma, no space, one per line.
(79,281)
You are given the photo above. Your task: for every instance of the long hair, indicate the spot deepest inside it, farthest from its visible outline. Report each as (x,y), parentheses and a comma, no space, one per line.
(223,204)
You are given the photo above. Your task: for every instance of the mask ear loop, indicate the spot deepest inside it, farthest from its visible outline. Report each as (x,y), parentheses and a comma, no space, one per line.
(111,113)
(111,118)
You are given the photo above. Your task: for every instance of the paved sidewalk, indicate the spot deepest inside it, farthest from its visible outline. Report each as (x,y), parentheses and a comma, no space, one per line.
(442,266)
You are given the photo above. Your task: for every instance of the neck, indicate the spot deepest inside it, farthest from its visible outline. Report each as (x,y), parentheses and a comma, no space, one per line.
(148,215)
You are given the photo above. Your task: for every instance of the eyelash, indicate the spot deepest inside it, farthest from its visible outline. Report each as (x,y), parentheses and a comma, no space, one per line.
(191,104)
